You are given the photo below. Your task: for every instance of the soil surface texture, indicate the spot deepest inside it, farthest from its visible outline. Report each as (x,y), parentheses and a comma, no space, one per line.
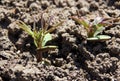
(75,59)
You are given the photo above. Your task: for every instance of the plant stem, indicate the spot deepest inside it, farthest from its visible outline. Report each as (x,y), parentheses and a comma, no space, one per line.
(39,55)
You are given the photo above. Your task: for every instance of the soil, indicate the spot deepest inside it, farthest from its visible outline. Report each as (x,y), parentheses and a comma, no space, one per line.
(75,59)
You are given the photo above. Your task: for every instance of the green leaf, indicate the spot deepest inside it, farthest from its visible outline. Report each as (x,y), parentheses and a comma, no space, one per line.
(81,21)
(98,30)
(47,48)
(99,37)
(26,28)
(46,38)
(36,37)
(54,27)
(35,42)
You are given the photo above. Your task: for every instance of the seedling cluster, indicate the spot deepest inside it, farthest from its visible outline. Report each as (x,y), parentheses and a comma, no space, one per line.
(41,36)
(93,28)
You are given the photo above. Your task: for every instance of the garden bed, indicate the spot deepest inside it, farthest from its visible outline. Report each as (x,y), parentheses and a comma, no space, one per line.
(75,59)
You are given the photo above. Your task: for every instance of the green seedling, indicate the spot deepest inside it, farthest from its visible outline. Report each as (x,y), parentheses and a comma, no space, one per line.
(40,35)
(94,28)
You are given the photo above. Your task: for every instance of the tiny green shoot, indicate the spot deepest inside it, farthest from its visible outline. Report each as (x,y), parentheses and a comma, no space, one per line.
(93,28)
(40,35)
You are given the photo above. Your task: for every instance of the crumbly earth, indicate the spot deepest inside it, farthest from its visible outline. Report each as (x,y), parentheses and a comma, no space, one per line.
(75,59)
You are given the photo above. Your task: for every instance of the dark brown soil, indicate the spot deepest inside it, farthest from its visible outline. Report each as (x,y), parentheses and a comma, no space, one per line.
(75,59)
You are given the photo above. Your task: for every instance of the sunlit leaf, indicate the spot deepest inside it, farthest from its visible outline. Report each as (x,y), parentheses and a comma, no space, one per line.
(47,48)
(46,38)
(25,27)
(99,37)
(98,30)
(97,20)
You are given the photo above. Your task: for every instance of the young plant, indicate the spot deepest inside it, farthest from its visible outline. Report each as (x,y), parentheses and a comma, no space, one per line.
(94,28)
(40,35)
